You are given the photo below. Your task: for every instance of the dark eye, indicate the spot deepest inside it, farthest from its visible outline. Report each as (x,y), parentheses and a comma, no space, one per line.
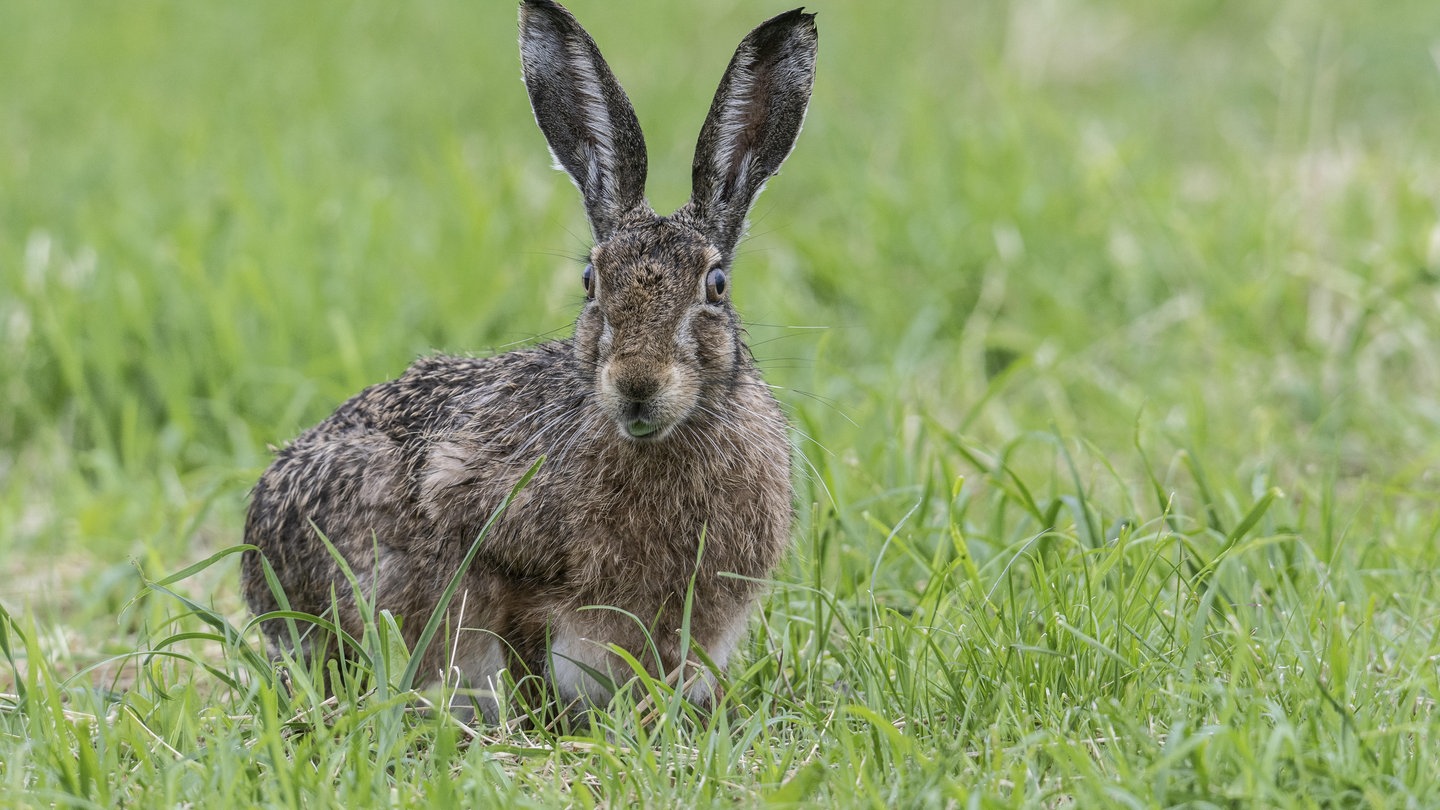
(588,277)
(715,285)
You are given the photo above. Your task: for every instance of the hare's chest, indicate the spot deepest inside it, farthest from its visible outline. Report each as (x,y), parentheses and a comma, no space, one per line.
(650,532)
(636,544)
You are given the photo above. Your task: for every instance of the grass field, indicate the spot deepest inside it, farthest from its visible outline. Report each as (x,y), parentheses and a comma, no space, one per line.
(1110,331)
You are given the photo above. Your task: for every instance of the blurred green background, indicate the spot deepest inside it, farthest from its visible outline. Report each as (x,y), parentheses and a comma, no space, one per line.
(1201,225)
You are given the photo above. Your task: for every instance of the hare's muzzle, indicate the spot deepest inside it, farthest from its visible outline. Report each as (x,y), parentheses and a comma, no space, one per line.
(645,403)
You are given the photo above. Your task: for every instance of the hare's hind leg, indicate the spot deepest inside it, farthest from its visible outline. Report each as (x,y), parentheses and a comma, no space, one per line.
(350,491)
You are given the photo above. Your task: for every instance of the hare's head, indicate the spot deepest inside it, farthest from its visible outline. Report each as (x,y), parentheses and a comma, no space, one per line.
(658,328)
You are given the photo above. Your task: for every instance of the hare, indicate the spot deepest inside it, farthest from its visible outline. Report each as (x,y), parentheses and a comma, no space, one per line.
(666,472)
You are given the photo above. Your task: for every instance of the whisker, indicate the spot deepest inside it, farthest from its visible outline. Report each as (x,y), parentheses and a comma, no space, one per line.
(791,326)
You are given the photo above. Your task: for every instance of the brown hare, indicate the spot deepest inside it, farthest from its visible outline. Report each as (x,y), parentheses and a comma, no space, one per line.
(667,460)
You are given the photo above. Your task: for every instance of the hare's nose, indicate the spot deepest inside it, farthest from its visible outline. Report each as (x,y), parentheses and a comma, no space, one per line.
(637,389)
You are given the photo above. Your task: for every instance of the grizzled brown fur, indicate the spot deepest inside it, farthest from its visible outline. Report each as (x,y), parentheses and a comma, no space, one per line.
(655,424)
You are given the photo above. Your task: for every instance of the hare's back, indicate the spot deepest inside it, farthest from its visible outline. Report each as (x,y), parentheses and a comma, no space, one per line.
(370,452)
(358,476)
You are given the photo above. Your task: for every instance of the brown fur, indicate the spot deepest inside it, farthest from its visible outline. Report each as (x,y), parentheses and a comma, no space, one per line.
(402,477)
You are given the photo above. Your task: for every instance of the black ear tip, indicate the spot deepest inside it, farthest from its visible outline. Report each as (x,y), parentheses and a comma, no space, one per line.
(548,9)
(793,23)
(794,16)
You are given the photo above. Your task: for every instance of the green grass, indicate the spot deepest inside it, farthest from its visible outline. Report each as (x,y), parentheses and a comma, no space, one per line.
(1110,329)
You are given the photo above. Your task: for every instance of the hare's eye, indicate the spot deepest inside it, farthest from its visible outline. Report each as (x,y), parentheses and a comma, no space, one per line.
(715,284)
(588,277)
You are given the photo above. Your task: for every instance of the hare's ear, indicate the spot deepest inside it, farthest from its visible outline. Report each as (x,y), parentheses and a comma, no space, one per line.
(587,120)
(753,122)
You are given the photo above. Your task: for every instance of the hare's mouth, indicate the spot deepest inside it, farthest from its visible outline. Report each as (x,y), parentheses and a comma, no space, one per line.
(641,428)
(640,422)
